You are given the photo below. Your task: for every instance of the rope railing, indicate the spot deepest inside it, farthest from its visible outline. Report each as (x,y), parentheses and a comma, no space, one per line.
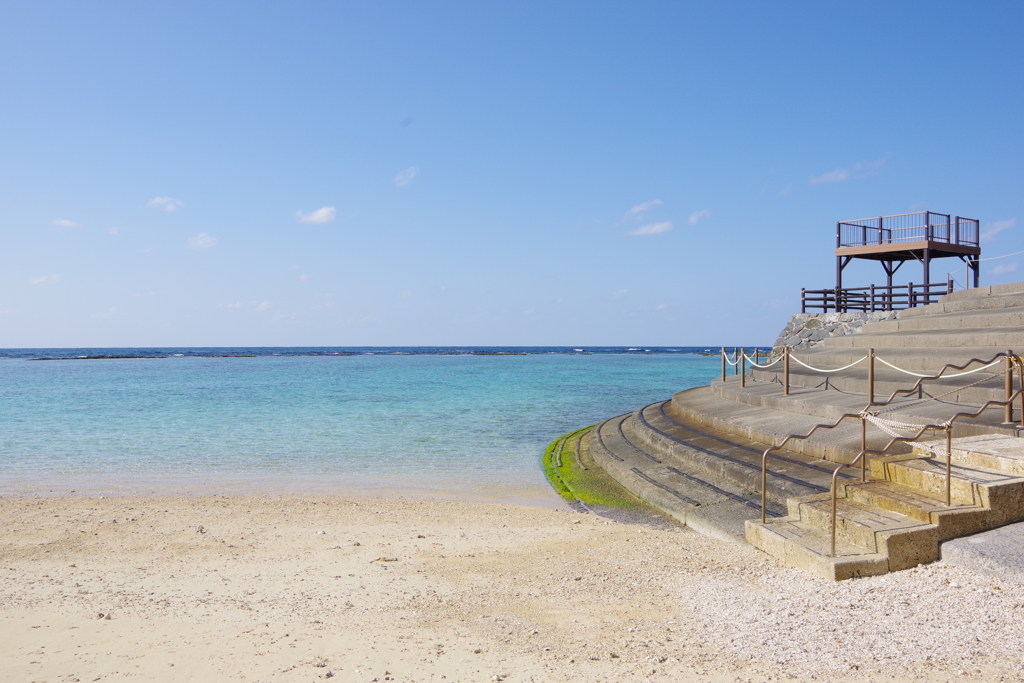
(946,426)
(740,355)
(1012,361)
(845,367)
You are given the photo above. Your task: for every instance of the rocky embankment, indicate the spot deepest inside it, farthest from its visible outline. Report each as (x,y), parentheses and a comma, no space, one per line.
(806,330)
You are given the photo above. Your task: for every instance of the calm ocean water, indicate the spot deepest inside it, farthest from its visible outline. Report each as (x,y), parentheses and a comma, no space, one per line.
(460,419)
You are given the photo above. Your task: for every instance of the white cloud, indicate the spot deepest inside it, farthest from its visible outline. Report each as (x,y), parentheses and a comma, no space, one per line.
(64,223)
(305,277)
(651,229)
(836,176)
(44,280)
(165,204)
(322,215)
(265,306)
(619,294)
(662,307)
(201,241)
(112,231)
(108,314)
(1003,269)
(407,176)
(237,304)
(856,171)
(990,231)
(786,191)
(641,208)
(143,294)
(696,216)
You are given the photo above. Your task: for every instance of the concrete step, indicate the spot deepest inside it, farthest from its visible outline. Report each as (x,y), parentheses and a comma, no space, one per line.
(916,359)
(999,492)
(957,519)
(976,388)
(984,292)
(805,546)
(998,339)
(727,457)
(999,452)
(702,408)
(958,302)
(1006,317)
(711,505)
(829,404)
(905,541)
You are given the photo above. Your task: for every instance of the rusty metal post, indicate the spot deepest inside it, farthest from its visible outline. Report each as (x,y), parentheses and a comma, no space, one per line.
(949,464)
(863,447)
(1020,372)
(1008,390)
(723,363)
(871,376)
(785,371)
(742,365)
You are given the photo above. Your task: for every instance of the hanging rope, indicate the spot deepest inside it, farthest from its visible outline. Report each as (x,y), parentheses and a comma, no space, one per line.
(959,374)
(845,367)
(892,427)
(762,365)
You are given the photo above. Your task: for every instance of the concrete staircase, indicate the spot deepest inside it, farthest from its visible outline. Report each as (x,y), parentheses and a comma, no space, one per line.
(698,456)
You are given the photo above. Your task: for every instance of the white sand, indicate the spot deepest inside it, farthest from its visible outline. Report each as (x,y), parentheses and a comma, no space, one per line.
(273,589)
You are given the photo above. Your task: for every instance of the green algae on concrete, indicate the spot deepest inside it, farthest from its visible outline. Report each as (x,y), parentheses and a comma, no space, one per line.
(582,481)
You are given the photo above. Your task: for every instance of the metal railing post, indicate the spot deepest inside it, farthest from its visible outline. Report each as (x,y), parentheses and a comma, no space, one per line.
(871,376)
(803,300)
(785,371)
(723,363)
(1008,390)
(1020,371)
(949,464)
(863,447)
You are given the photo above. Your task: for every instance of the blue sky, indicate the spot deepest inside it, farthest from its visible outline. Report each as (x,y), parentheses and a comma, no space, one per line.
(411,173)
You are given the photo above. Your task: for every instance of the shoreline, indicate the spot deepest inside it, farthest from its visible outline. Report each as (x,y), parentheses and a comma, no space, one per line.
(268,588)
(526,488)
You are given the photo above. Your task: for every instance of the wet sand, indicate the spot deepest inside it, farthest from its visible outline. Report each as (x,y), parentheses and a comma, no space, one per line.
(306,588)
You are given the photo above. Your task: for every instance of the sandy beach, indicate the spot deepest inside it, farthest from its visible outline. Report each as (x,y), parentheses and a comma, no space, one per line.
(290,588)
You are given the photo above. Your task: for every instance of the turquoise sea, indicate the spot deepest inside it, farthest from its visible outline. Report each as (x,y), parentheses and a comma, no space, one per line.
(453,422)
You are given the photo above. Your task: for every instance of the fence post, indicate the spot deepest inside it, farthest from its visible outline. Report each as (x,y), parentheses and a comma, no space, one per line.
(785,371)
(736,365)
(1020,370)
(910,295)
(871,376)
(723,363)
(872,297)
(1008,390)
(743,368)
(863,447)
(803,299)
(949,284)
(949,463)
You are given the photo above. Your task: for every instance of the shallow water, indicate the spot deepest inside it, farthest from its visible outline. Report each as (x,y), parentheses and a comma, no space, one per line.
(454,424)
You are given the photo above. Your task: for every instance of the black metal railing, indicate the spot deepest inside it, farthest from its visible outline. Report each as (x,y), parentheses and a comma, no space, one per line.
(873,298)
(908,227)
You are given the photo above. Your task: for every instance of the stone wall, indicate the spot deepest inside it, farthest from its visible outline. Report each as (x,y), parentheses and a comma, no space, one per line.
(807,330)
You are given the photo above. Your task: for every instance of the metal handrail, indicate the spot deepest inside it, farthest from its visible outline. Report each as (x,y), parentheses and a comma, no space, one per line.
(863,427)
(946,426)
